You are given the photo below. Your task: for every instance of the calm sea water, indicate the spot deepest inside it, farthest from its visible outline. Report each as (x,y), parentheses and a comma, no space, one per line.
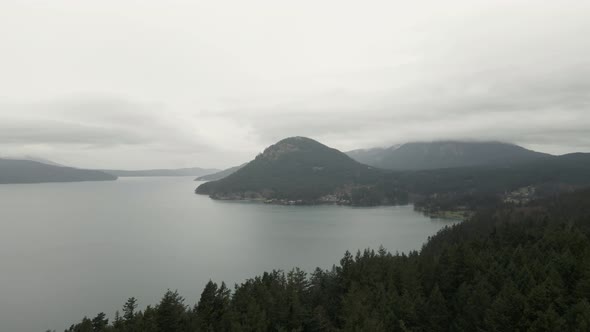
(73,249)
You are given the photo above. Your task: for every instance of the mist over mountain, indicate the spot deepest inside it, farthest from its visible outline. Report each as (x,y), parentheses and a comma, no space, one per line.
(221,174)
(31,158)
(191,171)
(27,171)
(444,154)
(371,156)
(187,171)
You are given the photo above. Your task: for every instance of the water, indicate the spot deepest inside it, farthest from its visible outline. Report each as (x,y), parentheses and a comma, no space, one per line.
(73,249)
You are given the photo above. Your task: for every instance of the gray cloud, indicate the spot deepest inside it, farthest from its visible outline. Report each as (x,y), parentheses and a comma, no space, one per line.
(525,109)
(196,83)
(105,125)
(98,121)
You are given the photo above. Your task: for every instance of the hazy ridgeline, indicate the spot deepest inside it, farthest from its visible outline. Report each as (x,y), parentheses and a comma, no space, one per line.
(27,171)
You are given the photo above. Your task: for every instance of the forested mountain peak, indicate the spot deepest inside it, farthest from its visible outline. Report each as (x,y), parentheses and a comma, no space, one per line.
(294,144)
(459,148)
(445,154)
(293,168)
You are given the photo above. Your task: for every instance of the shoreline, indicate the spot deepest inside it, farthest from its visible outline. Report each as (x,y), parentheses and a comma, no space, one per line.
(455,215)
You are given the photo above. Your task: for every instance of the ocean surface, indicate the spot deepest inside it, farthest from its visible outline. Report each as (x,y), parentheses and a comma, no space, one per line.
(69,250)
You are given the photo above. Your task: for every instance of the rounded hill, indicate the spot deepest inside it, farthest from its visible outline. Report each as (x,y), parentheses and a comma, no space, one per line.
(293,168)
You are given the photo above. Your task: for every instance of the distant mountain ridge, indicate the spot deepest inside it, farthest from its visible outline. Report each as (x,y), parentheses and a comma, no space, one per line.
(445,154)
(294,168)
(192,171)
(221,174)
(31,158)
(28,171)
(371,156)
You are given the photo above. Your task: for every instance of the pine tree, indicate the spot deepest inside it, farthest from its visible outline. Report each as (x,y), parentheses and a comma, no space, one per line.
(205,309)
(171,313)
(129,309)
(99,323)
(437,312)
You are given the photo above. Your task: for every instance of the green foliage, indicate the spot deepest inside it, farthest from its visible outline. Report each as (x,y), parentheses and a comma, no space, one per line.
(129,309)
(100,322)
(171,315)
(511,269)
(211,313)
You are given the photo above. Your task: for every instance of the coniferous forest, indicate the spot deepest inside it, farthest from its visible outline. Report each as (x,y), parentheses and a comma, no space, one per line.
(523,268)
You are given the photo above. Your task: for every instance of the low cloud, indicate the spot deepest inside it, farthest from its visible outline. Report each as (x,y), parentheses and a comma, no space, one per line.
(107,126)
(525,108)
(206,86)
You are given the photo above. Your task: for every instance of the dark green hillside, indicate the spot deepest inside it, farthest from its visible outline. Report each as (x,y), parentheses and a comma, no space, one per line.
(572,169)
(27,171)
(295,168)
(476,187)
(506,269)
(445,154)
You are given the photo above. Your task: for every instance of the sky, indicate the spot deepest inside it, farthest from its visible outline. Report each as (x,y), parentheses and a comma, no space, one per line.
(165,84)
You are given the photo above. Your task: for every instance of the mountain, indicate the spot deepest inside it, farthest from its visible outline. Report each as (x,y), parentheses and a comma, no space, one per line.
(220,175)
(296,168)
(476,187)
(27,171)
(31,158)
(444,154)
(307,172)
(43,161)
(193,171)
(373,156)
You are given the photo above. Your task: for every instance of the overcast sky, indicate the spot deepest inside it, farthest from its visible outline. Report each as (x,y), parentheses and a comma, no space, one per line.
(145,84)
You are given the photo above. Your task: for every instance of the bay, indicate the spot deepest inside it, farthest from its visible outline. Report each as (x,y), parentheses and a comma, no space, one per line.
(69,250)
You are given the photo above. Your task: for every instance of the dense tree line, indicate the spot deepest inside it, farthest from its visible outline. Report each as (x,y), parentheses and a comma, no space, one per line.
(510,269)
